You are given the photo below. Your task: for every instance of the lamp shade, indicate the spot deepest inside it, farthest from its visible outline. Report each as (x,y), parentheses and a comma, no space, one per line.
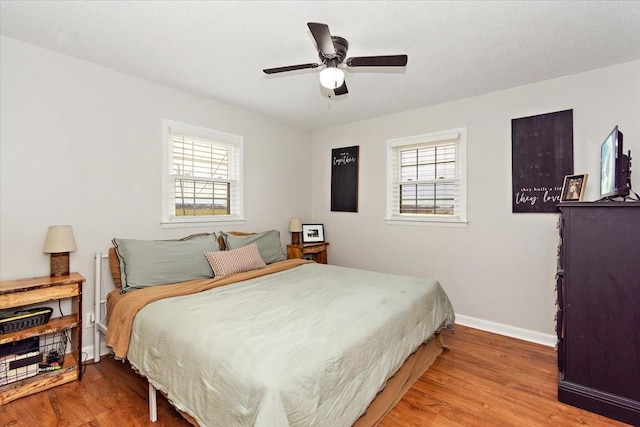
(295,225)
(59,239)
(331,77)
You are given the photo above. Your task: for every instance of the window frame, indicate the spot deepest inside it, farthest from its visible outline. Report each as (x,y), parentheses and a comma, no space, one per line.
(394,146)
(236,142)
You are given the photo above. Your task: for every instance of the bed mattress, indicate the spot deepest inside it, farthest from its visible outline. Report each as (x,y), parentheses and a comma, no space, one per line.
(308,346)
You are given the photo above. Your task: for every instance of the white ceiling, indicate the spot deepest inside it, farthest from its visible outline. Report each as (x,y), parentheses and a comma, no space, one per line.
(217,49)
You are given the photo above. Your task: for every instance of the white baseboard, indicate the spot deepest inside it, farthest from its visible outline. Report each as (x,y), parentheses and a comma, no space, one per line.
(506,330)
(88,351)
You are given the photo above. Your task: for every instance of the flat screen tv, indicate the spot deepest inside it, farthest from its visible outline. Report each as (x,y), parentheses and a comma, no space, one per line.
(614,167)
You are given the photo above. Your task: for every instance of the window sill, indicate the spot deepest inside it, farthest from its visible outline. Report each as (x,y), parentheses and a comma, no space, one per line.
(426,222)
(201,222)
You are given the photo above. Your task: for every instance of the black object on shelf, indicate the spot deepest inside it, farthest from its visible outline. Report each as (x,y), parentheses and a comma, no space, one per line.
(20,347)
(12,321)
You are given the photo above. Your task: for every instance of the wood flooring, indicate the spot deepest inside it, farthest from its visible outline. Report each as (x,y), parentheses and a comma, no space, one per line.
(484,380)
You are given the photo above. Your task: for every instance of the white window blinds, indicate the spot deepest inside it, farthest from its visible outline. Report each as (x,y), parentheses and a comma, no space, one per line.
(426,178)
(204,174)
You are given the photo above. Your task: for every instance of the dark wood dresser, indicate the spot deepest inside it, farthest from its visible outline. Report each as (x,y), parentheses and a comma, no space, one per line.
(598,318)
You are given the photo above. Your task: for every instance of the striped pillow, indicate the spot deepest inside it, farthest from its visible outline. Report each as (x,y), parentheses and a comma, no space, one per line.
(225,263)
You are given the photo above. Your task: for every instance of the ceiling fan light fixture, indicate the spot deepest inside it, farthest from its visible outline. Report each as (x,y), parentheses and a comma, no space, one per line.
(332,77)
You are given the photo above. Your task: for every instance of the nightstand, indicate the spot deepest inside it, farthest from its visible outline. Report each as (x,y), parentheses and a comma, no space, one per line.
(314,251)
(51,337)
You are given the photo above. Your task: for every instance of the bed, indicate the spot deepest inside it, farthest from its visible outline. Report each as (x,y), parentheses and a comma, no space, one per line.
(290,343)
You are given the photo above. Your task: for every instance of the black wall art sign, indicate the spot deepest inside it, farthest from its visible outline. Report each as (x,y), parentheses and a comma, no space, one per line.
(542,154)
(344,179)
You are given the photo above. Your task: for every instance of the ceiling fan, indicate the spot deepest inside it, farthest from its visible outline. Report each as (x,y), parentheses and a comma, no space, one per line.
(332,51)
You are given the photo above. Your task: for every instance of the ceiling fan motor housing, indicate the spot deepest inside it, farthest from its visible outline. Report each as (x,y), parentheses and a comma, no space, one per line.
(341,46)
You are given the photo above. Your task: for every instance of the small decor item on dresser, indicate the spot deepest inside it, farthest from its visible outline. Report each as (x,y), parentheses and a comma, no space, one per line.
(573,188)
(312,233)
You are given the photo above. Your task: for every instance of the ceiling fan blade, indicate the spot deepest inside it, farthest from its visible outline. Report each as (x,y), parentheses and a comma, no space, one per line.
(378,61)
(289,68)
(322,36)
(342,90)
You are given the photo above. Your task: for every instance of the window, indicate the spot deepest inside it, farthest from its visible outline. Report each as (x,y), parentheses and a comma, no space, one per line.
(203,175)
(426,178)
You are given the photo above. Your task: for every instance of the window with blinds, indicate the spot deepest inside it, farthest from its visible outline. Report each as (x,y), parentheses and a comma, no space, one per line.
(204,174)
(426,178)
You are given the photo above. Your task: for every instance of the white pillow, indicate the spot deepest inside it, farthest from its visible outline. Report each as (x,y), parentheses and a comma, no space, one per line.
(245,258)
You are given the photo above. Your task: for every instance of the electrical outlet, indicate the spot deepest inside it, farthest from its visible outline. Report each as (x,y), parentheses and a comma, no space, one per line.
(89,320)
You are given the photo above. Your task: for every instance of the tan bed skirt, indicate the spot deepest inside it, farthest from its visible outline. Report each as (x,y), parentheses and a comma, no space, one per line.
(412,369)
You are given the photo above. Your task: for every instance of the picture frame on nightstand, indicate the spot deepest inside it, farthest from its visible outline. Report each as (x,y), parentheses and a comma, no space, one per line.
(312,233)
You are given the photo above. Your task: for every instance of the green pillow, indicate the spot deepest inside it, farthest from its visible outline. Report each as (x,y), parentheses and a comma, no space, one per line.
(146,263)
(268,242)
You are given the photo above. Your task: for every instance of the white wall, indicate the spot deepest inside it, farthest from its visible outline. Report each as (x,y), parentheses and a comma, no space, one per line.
(82,145)
(499,271)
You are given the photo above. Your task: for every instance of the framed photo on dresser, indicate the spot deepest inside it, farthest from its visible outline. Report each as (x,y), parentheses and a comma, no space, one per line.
(573,188)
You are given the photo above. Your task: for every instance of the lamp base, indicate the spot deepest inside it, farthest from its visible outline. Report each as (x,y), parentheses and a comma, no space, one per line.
(295,237)
(60,264)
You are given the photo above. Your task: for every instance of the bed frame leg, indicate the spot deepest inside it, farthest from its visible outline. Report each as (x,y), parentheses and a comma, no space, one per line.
(153,404)
(97,269)
(96,346)
(440,342)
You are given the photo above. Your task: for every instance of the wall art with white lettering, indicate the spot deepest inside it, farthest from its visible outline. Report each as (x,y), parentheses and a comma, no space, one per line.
(344,179)
(542,155)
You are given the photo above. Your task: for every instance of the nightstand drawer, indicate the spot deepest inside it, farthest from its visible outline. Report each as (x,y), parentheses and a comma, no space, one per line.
(314,251)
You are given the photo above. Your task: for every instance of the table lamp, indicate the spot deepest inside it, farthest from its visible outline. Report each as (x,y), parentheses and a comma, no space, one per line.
(59,242)
(295,227)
